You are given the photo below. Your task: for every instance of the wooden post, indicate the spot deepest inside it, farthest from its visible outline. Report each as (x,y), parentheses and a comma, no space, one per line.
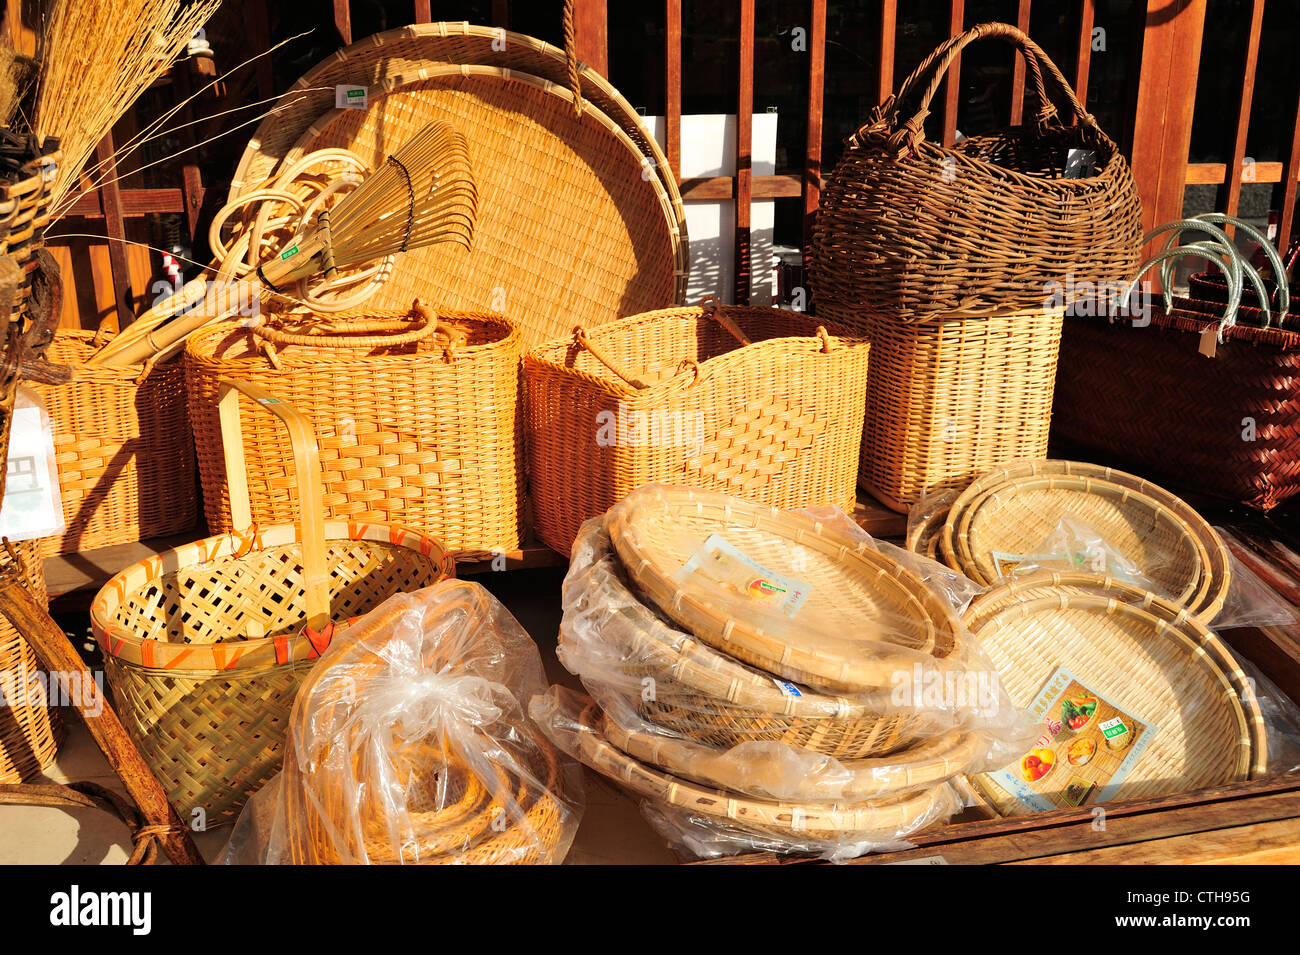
(812,173)
(591,31)
(110,197)
(673,87)
(343,21)
(744,154)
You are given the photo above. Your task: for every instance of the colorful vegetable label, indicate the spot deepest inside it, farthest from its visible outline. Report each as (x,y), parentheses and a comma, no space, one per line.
(1088,745)
(719,566)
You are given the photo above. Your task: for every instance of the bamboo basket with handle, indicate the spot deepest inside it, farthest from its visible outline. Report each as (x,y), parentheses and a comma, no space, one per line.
(205,645)
(418,415)
(759,402)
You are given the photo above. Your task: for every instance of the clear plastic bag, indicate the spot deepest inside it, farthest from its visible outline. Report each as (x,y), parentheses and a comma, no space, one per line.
(409,743)
(1075,547)
(33,506)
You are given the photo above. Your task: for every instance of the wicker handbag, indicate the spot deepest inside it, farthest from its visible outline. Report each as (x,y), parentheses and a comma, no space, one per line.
(124,449)
(909,230)
(418,418)
(205,645)
(757,402)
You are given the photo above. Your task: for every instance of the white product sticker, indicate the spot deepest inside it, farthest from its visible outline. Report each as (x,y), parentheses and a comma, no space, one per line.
(32,506)
(720,567)
(351,97)
(789,689)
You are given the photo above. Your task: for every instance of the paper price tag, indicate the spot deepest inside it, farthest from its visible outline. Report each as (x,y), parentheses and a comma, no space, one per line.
(351,97)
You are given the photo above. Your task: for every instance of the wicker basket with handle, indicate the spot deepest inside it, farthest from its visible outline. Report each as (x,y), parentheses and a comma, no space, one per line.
(758,402)
(418,416)
(205,645)
(909,230)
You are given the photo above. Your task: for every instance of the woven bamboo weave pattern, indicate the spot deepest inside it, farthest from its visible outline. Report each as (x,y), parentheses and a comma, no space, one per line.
(30,732)
(124,449)
(777,421)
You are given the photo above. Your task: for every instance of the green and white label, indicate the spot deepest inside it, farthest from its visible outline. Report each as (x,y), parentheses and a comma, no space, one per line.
(350,97)
(1112,728)
(292,250)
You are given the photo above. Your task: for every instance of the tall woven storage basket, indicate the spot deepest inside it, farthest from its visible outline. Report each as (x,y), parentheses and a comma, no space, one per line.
(124,449)
(950,399)
(205,645)
(30,732)
(910,230)
(761,403)
(418,416)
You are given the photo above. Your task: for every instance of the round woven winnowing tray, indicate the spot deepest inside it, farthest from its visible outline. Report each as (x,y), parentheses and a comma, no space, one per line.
(925,764)
(891,815)
(925,535)
(1216,565)
(406,50)
(858,604)
(1016,517)
(572,229)
(1141,654)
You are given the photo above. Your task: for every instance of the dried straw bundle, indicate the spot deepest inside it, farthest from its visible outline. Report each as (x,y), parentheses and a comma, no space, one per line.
(97,57)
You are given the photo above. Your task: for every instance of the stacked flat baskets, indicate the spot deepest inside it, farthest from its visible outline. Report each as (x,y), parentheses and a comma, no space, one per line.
(679,679)
(205,645)
(1008,513)
(758,402)
(418,416)
(579,223)
(947,259)
(1171,709)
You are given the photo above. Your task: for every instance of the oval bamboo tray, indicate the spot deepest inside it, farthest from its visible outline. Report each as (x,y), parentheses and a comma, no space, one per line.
(572,228)
(1017,516)
(1149,657)
(853,590)
(1217,565)
(888,818)
(927,764)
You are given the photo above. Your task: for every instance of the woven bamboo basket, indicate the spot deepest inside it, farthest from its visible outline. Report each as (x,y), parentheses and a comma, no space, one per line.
(573,227)
(205,645)
(25,214)
(886,817)
(757,402)
(30,731)
(418,416)
(950,399)
(1147,656)
(1204,593)
(124,449)
(926,765)
(706,696)
(858,605)
(1227,427)
(909,230)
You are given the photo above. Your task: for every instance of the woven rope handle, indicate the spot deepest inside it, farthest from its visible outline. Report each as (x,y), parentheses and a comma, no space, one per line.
(571,56)
(306,466)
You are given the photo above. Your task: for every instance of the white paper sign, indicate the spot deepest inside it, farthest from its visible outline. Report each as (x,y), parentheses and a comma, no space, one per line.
(32,506)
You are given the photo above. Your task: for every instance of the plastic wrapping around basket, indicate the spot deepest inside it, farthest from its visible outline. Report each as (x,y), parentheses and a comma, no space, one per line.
(909,230)
(205,645)
(30,730)
(124,448)
(422,431)
(573,227)
(1227,426)
(1153,672)
(758,402)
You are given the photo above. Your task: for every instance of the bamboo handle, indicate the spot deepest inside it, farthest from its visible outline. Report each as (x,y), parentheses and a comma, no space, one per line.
(57,655)
(580,336)
(306,466)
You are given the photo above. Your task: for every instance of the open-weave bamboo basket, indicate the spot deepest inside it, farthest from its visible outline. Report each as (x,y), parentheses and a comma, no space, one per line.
(124,449)
(758,402)
(909,230)
(865,617)
(707,696)
(954,397)
(1188,556)
(205,645)
(573,227)
(418,416)
(1148,656)
(30,731)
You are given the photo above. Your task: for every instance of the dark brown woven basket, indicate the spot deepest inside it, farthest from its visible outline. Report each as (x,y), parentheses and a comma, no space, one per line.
(1145,398)
(909,229)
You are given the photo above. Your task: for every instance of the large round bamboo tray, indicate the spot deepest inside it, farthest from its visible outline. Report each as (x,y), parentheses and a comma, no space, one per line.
(1148,656)
(860,604)
(706,696)
(1019,515)
(925,535)
(887,817)
(124,448)
(926,764)
(30,731)
(1216,565)
(205,645)
(372,61)
(573,229)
